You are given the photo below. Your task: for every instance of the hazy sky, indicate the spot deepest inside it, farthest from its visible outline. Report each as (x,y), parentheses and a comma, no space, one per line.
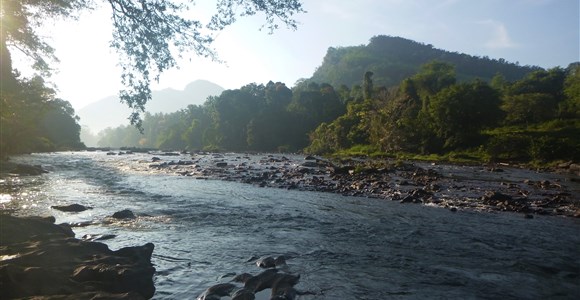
(532,32)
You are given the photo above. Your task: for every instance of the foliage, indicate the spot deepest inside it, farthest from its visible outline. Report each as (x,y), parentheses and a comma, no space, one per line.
(529,108)
(548,141)
(461,111)
(570,107)
(256,117)
(148,34)
(32,119)
(535,98)
(59,126)
(430,115)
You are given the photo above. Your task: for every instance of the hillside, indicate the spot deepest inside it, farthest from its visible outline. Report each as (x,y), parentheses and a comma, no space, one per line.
(110,112)
(392,59)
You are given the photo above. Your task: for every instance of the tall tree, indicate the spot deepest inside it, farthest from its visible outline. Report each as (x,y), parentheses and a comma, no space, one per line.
(368,85)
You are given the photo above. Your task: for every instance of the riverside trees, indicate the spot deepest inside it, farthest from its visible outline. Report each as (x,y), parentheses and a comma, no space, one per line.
(534,118)
(428,113)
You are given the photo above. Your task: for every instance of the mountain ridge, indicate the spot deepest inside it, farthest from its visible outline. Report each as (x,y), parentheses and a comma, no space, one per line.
(110,112)
(393,59)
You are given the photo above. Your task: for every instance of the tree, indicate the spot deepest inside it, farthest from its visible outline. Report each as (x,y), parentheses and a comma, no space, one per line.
(368,85)
(21,107)
(232,111)
(529,108)
(535,98)
(59,126)
(148,34)
(407,121)
(461,111)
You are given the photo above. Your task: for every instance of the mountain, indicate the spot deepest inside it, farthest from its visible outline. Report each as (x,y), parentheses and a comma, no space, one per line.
(110,112)
(393,59)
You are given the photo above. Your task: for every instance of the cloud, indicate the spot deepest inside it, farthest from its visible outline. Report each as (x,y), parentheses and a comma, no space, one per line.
(499,36)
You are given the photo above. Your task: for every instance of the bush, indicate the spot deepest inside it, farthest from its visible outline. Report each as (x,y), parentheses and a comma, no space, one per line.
(547,148)
(511,147)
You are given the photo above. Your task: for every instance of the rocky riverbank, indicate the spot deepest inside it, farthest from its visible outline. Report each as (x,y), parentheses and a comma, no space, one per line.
(42,260)
(483,188)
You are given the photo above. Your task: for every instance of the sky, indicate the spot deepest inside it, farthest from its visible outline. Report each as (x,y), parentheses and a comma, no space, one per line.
(542,33)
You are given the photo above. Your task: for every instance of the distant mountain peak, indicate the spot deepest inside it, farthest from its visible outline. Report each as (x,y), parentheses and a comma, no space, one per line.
(393,59)
(110,112)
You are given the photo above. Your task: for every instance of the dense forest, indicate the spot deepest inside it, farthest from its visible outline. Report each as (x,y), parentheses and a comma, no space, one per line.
(255,117)
(534,118)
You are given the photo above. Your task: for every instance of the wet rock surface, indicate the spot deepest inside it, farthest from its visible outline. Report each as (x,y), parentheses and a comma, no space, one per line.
(7,167)
(484,188)
(42,260)
(71,207)
(276,280)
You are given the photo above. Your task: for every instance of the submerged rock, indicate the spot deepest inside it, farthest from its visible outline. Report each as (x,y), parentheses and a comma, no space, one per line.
(261,281)
(279,281)
(217,291)
(71,207)
(267,262)
(243,294)
(124,214)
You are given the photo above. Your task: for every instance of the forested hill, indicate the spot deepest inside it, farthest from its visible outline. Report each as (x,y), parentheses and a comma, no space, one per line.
(393,59)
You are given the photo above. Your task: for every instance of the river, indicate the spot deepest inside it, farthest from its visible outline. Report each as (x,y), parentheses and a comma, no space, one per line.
(343,247)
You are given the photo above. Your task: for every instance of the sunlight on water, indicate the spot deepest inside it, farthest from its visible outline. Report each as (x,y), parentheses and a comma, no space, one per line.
(5,198)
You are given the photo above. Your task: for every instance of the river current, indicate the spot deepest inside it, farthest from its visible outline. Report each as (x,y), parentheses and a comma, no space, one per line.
(205,231)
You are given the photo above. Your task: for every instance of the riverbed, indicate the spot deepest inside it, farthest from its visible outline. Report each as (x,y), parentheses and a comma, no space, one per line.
(206,230)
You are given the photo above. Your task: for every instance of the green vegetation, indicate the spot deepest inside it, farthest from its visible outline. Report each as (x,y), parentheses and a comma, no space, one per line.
(255,117)
(429,116)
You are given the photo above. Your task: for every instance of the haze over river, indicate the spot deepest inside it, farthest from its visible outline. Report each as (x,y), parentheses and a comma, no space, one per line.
(343,247)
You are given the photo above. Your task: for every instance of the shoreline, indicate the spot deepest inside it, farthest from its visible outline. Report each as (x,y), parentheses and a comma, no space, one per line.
(491,188)
(480,187)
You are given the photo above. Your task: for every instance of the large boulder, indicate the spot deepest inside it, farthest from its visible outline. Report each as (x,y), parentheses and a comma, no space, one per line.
(44,260)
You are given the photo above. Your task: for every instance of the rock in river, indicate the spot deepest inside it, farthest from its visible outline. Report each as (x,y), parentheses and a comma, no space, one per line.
(71,207)
(124,214)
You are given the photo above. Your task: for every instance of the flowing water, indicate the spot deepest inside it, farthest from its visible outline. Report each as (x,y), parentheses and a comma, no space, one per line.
(343,247)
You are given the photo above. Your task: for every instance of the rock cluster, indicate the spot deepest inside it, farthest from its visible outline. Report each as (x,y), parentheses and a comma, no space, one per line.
(244,286)
(41,260)
(403,182)
(21,169)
